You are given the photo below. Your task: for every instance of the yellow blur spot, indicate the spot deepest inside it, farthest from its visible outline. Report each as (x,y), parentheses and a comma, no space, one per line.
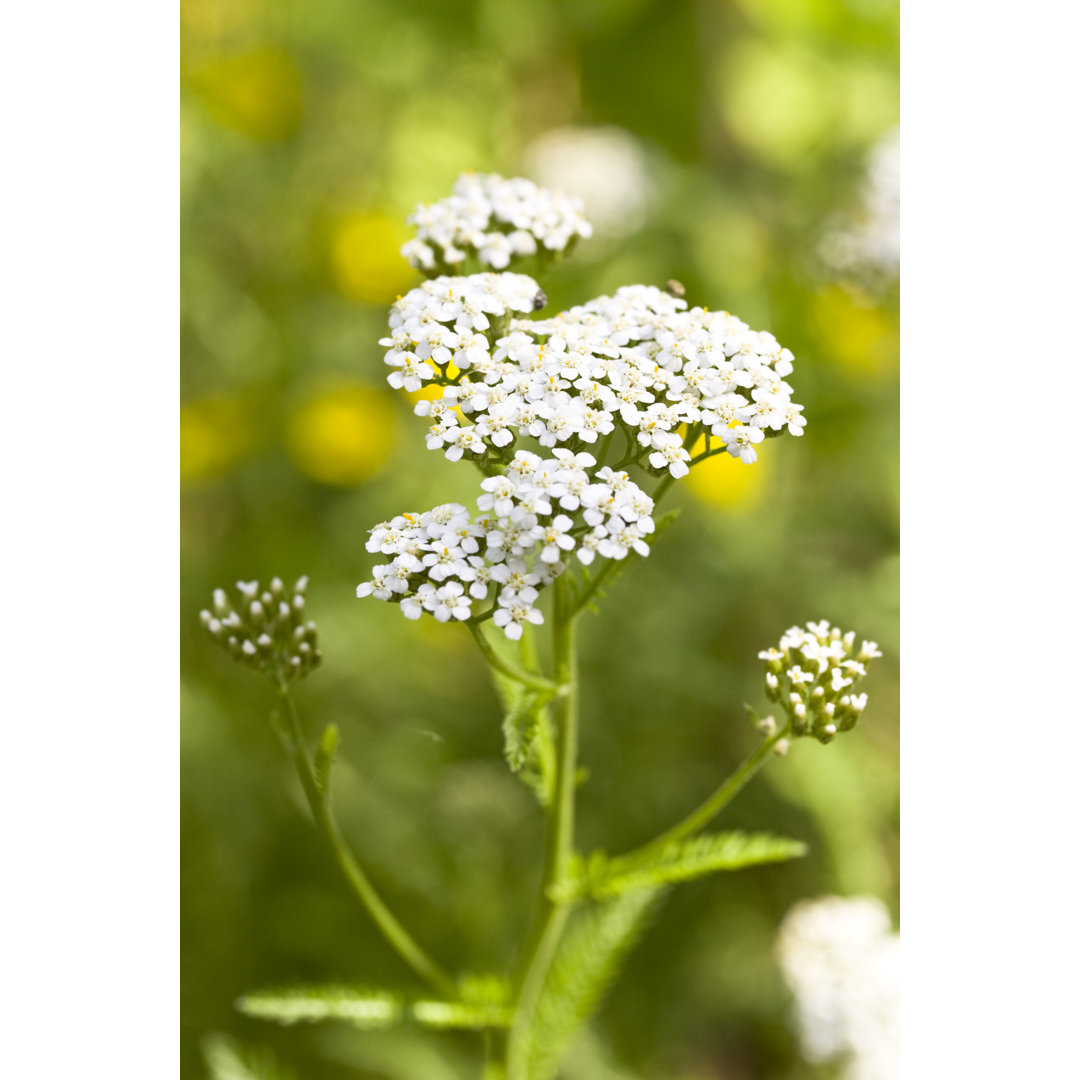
(777,101)
(365,257)
(342,436)
(724,482)
(259,93)
(213,19)
(214,434)
(855,334)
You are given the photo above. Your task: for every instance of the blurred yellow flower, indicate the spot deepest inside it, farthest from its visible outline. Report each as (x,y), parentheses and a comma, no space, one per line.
(777,101)
(855,333)
(259,92)
(214,434)
(217,18)
(343,435)
(366,260)
(722,481)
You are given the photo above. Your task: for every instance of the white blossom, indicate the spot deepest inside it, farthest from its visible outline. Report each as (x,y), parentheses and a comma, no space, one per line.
(840,957)
(495,220)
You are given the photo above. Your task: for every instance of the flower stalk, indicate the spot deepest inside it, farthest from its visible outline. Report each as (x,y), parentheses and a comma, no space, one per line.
(403,943)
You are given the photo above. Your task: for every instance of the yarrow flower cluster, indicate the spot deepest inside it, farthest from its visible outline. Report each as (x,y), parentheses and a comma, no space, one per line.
(638,365)
(535,514)
(840,957)
(266,629)
(813,675)
(635,360)
(495,220)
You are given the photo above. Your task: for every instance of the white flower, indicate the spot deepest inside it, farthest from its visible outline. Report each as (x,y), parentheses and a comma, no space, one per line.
(840,957)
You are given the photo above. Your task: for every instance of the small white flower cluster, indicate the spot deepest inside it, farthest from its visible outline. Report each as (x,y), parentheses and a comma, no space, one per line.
(866,244)
(533,515)
(266,630)
(444,320)
(813,675)
(494,219)
(635,360)
(841,959)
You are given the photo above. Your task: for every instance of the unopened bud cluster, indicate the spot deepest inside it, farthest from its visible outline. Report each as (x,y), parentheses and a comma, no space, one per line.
(813,675)
(266,629)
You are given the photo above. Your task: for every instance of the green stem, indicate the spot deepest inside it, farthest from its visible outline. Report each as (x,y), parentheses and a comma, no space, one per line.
(551,913)
(510,670)
(293,739)
(712,806)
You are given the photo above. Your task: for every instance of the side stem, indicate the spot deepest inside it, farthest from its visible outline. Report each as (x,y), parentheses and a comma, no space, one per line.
(399,938)
(712,806)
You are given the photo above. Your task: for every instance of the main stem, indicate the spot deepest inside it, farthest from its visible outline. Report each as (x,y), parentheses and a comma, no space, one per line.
(396,934)
(552,913)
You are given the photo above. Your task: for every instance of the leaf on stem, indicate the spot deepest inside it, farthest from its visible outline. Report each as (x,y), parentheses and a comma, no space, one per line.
(460,1015)
(324,757)
(227,1059)
(600,878)
(596,942)
(360,1006)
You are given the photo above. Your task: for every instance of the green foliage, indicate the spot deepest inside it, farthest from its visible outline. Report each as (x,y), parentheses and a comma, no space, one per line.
(460,1015)
(229,1060)
(527,742)
(324,757)
(599,877)
(587,959)
(359,1006)
(484,1004)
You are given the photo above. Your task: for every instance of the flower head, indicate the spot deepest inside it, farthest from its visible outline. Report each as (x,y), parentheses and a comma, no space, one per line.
(266,629)
(813,674)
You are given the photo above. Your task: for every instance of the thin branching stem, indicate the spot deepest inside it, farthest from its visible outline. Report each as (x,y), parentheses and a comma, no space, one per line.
(696,821)
(509,669)
(400,939)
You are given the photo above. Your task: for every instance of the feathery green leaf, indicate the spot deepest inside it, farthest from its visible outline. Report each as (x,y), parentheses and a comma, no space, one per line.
(460,1015)
(359,1006)
(229,1060)
(596,942)
(600,877)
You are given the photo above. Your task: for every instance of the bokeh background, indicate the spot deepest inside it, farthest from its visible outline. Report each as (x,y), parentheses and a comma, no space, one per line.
(746,148)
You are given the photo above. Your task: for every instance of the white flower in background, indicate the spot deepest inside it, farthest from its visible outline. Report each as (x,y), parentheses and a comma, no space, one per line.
(866,243)
(840,958)
(605,166)
(495,220)
(444,560)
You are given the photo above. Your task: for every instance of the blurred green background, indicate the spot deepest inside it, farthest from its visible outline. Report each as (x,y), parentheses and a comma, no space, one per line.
(723,143)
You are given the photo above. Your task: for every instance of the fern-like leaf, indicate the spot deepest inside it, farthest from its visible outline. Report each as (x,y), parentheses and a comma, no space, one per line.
(596,942)
(600,878)
(359,1006)
(229,1060)
(460,1015)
